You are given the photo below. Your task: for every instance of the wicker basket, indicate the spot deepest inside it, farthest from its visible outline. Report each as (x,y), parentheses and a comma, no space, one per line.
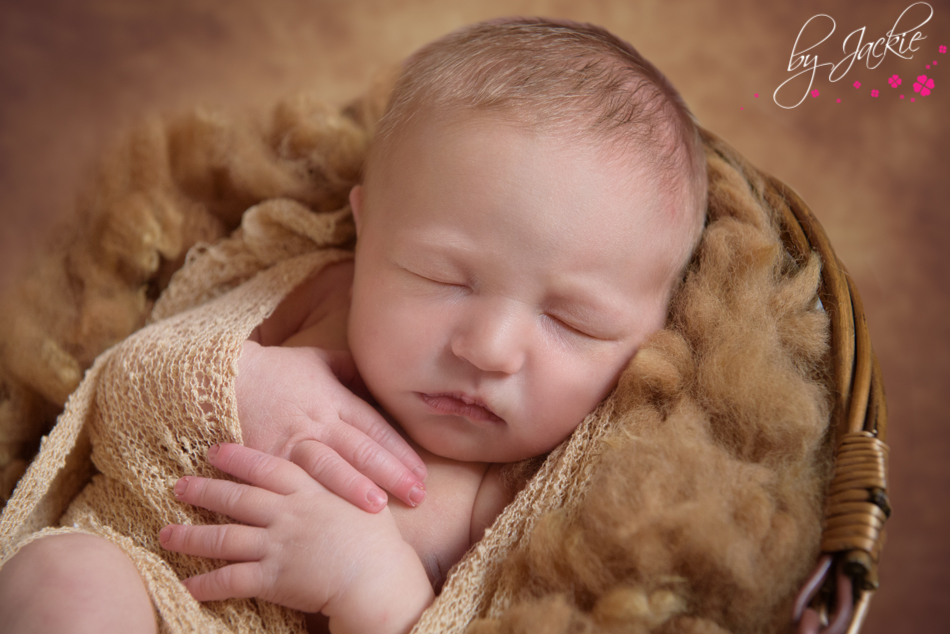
(857,504)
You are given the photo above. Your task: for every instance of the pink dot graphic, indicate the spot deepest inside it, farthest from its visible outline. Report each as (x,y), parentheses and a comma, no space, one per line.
(912,99)
(894,81)
(837,101)
(857,84)
(756,95)
(927,66)
(815,93)
(923,85)
(902,96)
(874,92)
(942,49)
(933,63)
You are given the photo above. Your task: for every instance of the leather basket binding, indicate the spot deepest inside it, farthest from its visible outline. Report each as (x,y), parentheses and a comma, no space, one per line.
(132,231)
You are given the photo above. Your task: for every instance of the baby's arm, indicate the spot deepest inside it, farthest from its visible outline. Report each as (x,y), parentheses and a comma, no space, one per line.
(302,547)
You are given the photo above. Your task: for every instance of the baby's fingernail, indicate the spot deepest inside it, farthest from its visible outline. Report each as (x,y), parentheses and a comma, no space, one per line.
(420,472)
(376,498)
(181,486)
(213,451)
(164,535)
(417,494)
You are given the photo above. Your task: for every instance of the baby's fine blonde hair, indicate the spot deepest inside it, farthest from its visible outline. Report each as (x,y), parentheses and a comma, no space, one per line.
(577,81)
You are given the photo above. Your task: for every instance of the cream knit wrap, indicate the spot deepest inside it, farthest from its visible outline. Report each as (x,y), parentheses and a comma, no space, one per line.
(689,501)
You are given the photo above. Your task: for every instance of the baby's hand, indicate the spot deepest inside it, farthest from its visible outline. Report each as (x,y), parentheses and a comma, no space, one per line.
(293,405)
(303,547)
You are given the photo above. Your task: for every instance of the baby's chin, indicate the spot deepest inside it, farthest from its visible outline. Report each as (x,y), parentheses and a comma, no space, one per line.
(438,446)
(483,450)
(445,446)
(459,440)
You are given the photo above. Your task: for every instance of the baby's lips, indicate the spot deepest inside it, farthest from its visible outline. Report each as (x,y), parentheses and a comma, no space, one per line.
(460,404)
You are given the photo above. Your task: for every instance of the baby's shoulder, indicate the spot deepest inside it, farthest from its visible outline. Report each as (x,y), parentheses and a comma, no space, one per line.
(314,313)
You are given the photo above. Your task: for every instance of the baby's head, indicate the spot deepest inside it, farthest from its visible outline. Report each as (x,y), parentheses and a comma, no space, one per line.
(531,198)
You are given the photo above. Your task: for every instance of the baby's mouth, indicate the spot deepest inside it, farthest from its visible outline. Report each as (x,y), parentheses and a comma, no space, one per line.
(460,405)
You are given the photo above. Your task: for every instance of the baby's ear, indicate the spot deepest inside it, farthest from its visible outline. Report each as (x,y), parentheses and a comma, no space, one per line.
(356,204)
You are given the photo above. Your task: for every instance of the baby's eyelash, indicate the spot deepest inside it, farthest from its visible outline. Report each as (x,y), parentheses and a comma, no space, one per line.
(437,281)
(444,283)
(571,328)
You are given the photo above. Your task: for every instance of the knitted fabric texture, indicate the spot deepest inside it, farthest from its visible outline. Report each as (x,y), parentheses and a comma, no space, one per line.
(154,404)
(689,501)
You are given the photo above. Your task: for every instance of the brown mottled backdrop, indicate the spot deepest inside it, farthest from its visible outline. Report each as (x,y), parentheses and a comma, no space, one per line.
(875,170)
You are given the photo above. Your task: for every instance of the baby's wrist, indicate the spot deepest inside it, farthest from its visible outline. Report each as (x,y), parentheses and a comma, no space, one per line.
(385,601)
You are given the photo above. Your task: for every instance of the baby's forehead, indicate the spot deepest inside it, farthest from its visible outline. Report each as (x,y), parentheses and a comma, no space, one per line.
(570,135)
(637,194)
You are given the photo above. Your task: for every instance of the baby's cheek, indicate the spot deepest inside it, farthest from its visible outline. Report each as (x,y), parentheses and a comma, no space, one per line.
(595,381)
(387,344)
(557,407)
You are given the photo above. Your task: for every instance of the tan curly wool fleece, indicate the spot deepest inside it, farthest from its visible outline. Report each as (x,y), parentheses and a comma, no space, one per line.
(689,501)
(166,185)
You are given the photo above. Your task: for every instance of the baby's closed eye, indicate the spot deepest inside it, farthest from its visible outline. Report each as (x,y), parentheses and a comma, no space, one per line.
(434,273)
(440,279)
(583,323)
(570,326)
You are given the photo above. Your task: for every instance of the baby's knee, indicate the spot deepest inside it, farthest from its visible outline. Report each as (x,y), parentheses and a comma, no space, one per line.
(73,583)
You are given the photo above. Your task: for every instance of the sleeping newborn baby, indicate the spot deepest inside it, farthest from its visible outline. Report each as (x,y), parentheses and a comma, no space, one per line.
(529,203)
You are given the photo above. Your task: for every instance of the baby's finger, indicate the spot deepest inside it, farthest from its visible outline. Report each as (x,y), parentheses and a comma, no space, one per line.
(237,581)
(373,457)
(325,466)
(231,542)
(247,504)
(256,467)
(407,468)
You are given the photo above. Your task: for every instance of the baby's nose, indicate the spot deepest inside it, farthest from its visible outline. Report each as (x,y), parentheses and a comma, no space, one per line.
(493,339)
